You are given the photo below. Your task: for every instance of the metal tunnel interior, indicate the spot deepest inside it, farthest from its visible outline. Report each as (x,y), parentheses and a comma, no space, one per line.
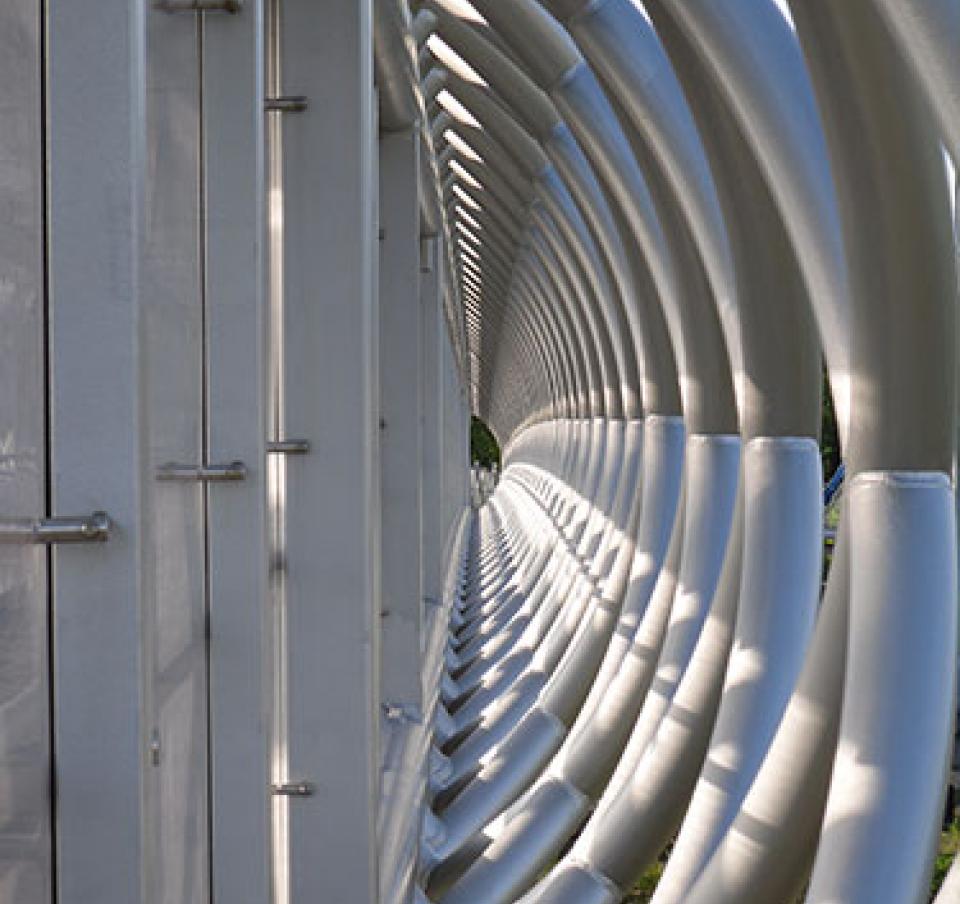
(269,635)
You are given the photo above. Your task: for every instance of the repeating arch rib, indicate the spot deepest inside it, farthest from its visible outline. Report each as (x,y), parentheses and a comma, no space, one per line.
(669,221)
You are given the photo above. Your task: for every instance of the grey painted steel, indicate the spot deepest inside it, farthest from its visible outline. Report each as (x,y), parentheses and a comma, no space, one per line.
(753,61)
(320,656)
(907,436)
(866,819)
(155,598)
(131,664)
(330,340)
(573,88)
(401,411)
(779,354)
(577,772)
(857,39)
(175,655)
(780,586)
(538,116)
(432,275)
(25,738)
(564,153)
(928,34)
(235,274)
(795,776)
(646,795)
(774,186)
(624,49)
(396,71)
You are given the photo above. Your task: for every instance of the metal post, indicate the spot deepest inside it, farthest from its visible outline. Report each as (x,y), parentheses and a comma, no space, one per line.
(432,320)
(96,171)
(25,751)
(400,412)
(456,460)
(236,353)
(330,391)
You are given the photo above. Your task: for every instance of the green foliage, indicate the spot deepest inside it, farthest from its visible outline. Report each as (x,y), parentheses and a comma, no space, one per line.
(829,436)
(646,886)
(484,448)
(949,847)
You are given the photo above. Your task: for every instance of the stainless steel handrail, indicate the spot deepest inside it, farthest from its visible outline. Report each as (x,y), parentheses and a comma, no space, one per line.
(293,103)
(217,473)
(288,447)
(178,6)
(93,528)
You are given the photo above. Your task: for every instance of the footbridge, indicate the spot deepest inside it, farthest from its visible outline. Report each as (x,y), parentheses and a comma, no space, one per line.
(269,635)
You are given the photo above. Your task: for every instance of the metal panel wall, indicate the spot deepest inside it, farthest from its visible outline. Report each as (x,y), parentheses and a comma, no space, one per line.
(456,438)
(24,700)
(235,194)
(330,397)
(277,464)
(96,171)
(170,344)
(157,314)
(127,360)
(431,285)
(401,406)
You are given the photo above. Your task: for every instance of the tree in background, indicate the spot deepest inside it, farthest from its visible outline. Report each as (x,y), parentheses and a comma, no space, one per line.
(484,448)
(829,436)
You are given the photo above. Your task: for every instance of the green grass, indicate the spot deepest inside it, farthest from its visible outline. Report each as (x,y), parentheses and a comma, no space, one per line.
(949,847)
(647,885)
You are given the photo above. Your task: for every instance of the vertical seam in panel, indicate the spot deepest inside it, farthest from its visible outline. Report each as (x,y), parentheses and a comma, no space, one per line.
(42,48)
(204,435)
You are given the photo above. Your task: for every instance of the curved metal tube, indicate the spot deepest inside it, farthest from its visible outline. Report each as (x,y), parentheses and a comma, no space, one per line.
(672,211)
